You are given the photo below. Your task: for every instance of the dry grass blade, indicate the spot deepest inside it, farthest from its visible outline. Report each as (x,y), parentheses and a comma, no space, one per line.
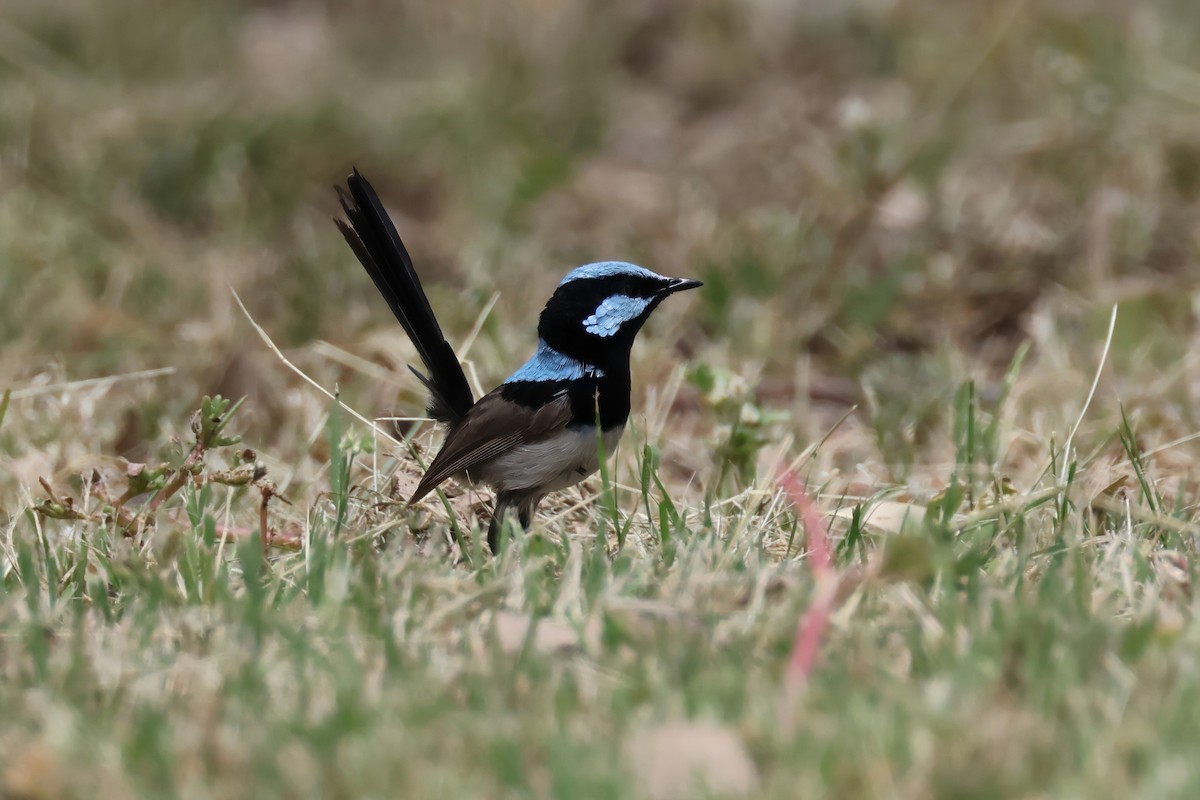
(1067,446)
(305,377)
(88,383)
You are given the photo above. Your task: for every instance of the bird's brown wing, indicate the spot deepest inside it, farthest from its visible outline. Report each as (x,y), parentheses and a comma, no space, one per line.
(492,426)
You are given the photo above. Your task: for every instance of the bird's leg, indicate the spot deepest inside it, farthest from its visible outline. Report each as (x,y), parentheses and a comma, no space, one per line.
(526,509)
(506,502)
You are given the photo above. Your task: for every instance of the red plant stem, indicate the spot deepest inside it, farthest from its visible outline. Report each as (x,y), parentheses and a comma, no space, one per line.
(286,540)
(813,622)
(178,480)
(264,530)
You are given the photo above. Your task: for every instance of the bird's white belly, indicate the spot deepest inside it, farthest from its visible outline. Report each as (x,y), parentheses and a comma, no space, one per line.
(550,464)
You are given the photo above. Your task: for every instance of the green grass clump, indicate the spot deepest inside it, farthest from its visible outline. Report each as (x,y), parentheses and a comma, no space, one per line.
(999,642)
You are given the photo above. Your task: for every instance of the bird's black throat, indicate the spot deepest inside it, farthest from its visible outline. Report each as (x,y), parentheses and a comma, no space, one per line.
(605,397)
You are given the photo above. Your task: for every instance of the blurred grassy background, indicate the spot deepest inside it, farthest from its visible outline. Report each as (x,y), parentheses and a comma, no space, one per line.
(886,199)
(892,193)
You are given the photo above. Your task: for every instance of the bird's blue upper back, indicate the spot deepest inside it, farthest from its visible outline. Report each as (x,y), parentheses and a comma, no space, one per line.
(547,364)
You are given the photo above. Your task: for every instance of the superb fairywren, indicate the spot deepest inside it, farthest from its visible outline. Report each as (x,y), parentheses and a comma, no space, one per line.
(536,432)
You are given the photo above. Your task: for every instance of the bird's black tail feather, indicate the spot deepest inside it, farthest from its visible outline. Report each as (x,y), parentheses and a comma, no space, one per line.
(373,238)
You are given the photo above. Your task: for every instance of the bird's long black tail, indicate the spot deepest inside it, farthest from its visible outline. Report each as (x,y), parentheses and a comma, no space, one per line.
(373,238)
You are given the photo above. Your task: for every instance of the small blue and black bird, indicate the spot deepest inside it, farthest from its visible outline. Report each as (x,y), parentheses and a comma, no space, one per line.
(536,432)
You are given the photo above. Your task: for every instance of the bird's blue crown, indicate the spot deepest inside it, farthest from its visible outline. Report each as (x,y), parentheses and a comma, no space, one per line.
(610,269)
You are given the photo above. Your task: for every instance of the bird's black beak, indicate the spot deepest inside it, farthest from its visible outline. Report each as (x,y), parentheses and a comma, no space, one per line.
(681,284)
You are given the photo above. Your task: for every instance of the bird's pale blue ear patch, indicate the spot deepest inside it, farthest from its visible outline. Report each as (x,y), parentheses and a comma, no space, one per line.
(613,312)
